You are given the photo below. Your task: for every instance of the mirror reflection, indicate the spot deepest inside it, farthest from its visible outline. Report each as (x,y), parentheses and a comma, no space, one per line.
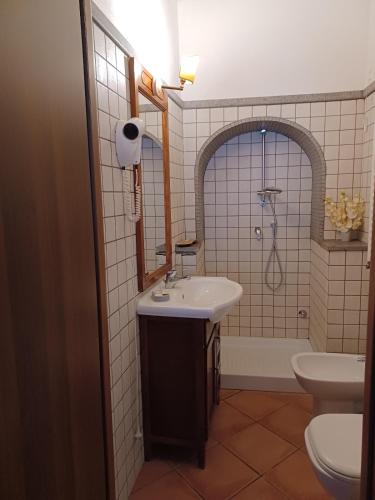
(152,186)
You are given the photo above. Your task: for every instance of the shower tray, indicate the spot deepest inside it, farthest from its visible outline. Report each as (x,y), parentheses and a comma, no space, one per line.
(257,363)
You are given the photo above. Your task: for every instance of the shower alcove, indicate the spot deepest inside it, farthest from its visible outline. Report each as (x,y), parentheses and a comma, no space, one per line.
(293,131)
(262,332)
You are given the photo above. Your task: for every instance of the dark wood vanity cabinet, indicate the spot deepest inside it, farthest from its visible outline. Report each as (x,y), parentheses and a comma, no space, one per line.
(180,366)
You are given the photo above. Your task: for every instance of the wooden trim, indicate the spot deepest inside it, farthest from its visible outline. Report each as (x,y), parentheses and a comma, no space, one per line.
(142,81)
(94,155)
(146,82)
(167,189)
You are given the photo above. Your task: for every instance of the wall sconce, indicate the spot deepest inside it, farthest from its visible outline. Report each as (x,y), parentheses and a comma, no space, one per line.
(188,70)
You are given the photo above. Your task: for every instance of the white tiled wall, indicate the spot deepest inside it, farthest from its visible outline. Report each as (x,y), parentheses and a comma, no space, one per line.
(176,163)
(336,125)
(153,122)
(193,264)
(113,103)
(368,166)
(232,211)
(121,268)
(339,300)
(153,202)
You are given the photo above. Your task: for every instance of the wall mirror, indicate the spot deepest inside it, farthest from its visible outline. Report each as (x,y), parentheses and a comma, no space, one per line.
(153,231)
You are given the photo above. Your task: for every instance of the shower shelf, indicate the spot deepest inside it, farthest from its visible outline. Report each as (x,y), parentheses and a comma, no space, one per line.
(188,250)
(340,246)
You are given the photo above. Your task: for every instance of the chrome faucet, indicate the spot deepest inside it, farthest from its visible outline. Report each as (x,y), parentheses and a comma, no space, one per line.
(171,278)
(258,232)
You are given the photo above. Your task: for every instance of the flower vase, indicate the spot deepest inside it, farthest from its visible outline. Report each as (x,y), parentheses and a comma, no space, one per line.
(349,236)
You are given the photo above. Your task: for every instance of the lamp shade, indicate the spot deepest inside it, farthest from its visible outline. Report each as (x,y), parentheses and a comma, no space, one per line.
(188,68)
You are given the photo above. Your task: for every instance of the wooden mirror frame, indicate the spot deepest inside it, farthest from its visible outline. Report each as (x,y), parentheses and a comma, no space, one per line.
(142,81)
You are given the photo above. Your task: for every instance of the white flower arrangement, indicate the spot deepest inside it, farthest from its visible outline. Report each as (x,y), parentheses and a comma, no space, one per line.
(347,214)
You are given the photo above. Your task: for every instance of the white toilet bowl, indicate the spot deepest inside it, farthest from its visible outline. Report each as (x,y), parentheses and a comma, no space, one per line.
(334,445)
(336,381)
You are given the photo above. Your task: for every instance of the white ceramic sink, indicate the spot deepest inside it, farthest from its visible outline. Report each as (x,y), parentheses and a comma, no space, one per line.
(196,297)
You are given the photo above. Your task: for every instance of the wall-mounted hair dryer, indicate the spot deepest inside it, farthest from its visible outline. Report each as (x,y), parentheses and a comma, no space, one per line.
(129,141)
(128,148)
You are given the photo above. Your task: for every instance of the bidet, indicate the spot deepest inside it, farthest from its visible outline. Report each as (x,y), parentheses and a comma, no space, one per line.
(336,381)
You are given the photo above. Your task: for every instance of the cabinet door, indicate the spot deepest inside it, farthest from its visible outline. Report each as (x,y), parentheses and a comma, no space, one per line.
(213,371)
(216,365)
(210,383)
(173,371)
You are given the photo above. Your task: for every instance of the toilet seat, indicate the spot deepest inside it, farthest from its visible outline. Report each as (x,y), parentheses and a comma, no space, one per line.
(336,442)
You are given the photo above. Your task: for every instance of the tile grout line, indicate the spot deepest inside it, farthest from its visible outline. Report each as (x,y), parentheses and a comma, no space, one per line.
(189,484)
(266,415)
(259,475)
(274,485)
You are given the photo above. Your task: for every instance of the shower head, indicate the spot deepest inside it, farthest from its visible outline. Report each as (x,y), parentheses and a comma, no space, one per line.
(269,191)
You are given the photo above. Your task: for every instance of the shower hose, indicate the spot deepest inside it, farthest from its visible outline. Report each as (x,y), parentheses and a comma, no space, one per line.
(274,253)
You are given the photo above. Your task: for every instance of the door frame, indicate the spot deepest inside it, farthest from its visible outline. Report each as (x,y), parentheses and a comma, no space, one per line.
(98,226)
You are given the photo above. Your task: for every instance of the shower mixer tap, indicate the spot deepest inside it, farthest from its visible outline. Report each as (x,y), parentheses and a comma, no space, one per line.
(258,233)
(262,200)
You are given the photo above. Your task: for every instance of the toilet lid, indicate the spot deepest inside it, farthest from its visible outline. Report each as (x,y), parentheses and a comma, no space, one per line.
(336,440)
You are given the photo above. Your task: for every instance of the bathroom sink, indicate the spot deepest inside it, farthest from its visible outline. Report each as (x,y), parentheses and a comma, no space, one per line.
(196,297)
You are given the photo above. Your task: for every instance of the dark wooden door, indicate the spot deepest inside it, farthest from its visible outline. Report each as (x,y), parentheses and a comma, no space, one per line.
(51,411)
(368,438)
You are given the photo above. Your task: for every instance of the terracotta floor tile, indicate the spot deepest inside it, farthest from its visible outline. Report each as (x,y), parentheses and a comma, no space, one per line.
(226,421)
(289,423)
(255,404)
(267,446)
(226,393)
(259,448)
(260,490)
(150,472)
(302,400)
(210,442)
(169,487)
(303,449)
(223,476)
(295,477)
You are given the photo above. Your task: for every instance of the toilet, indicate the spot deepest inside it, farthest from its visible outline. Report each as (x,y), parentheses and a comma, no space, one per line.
(336,381)
(334,444)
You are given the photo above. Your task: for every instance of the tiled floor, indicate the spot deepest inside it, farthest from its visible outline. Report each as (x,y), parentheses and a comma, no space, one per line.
(255,452)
